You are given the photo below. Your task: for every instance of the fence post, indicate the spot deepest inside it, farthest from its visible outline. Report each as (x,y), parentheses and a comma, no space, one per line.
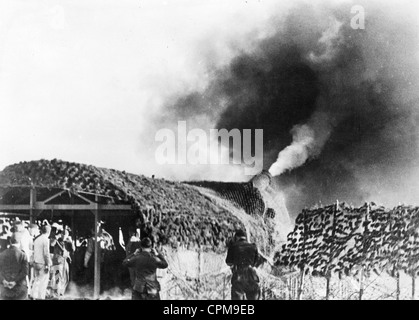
(224,287)
(301,282)
(328,273)
(413,263)
(97,252)
(361,276)
(361,283)
(199,272)
(32,201)
(294,288)
(396,264)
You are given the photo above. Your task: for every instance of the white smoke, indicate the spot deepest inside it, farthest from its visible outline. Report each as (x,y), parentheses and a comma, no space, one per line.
(308,141)
(329,42)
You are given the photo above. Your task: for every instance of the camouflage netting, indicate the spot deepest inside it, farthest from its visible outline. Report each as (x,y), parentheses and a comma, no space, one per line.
(192,223)
(262,210)
(175,213)
(244,195)
(341,238)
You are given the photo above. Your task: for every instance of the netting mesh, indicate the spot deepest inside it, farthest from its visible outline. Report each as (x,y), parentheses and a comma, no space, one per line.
(211,280)
(375,287)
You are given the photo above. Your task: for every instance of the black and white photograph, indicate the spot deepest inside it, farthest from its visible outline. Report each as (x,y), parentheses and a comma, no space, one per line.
(183,150)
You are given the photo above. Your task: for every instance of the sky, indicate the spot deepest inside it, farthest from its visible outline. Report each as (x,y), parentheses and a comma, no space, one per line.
(80,79)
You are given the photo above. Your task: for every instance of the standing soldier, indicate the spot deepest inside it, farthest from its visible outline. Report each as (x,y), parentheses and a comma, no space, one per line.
(145,263)
(26,241)
(133,244)
(42,263)
(34,232)
(14,270)
(242,257)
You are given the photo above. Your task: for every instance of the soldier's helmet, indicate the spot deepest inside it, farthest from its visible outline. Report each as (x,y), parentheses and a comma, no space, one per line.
(240,234)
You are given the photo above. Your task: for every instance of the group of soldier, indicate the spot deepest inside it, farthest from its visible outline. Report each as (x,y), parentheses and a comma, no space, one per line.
(243,257)
(34,260)
(25,266)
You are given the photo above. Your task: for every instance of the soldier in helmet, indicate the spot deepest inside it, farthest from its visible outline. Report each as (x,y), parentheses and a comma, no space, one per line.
(243,257)
(145,262)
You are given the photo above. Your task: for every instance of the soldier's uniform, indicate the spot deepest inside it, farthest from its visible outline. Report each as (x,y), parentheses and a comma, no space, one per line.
(243,257)
(145,263)
(14,268)
(106,247)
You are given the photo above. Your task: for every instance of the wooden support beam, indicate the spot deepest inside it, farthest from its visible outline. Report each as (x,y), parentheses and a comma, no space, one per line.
(115,207)
(83,207)
(361,275)
(331,253)
(84,198)
(15,207)
(32,203)
(54,196)
(301,282)
(77,207)
(96,291)
(73,238)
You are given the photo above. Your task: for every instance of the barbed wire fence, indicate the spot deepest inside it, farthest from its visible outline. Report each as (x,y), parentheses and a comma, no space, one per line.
(217,286)
(335,252)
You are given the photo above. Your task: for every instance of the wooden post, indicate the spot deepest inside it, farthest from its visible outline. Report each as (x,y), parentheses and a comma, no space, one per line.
(73,238)
(398,286)
(32,204)
(361,275)
(301,282)
(96,291)
(224,287)
(73,231)
(291,291)
(396,264)
(263,293)
(328,274)
(361,283)
(327,286)
(392,222)
(413,264)
(199,271)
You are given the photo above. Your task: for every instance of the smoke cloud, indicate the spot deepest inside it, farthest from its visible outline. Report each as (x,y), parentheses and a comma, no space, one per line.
(308,141)
(338,106)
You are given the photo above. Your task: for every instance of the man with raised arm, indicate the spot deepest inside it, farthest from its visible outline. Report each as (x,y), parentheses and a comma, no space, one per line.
(145,262)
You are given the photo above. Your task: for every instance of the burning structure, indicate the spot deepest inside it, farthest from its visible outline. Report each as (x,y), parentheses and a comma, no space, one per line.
(193,221)
(262,180)
(329,99)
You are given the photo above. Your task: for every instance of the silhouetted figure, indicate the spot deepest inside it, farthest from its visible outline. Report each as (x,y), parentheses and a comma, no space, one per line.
(145,263)
(242,257)
(14,270)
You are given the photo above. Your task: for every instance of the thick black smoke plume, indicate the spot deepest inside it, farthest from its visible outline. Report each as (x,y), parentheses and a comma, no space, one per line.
(356,88)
